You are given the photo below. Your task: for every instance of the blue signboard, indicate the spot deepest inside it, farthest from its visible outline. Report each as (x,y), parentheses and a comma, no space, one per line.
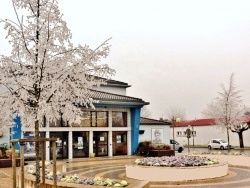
(16,131)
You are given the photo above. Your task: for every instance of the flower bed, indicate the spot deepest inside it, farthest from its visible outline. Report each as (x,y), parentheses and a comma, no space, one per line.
(61,177)
(176,161)
(180,168)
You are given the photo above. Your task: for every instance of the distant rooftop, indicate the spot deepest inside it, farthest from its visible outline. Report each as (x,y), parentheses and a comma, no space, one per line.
(203,122)
(148,121)
(114,83)
(196,122)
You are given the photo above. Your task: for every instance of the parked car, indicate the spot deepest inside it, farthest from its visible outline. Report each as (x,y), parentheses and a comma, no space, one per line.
(217,144)
(178,147)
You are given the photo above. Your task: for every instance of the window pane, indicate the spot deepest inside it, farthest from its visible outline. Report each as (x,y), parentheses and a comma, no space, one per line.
(93,119)
(119,119)
(56,123)
(60,122)
(85,120)
(80,144)
(119,140)
(102,119)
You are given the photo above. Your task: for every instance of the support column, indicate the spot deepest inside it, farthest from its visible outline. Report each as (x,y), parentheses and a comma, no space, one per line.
(90,142)
(129,143)
(110,144)
(47,146)
(70,144)
(135,125)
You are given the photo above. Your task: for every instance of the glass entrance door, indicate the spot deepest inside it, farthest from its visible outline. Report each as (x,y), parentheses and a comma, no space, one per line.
(61,144)
(100,143)
(119,142)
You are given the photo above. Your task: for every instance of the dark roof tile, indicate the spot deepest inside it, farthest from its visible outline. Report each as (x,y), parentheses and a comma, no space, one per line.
(105,96)
(148,121)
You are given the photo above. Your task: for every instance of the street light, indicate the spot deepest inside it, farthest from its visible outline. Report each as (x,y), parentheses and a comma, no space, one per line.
(174,120)
(193,135)
(188,132)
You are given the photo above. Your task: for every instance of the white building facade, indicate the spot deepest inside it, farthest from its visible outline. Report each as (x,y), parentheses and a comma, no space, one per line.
(149,126)
(204,130)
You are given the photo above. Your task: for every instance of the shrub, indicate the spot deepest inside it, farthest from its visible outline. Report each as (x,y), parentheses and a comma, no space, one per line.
(146,143)
(9,153)
(145,147)
(161,147)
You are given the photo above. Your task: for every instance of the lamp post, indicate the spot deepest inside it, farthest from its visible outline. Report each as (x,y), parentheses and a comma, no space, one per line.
(193,135)
(174,120)
(188,131)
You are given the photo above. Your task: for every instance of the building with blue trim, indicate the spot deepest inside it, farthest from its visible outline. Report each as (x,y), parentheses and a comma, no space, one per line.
(112,128)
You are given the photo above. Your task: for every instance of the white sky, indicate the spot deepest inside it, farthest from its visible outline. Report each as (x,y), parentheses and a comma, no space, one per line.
(173,53)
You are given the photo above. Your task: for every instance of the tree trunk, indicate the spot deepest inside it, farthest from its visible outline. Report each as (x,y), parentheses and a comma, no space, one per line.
(241,139)
(228,140)
(37,154)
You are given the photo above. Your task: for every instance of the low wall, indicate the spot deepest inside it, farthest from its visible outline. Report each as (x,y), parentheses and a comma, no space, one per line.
(6,163)
(160,153)
(30,181)
(152,173)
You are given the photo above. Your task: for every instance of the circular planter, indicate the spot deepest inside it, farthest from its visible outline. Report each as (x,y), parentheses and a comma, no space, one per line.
(154,173)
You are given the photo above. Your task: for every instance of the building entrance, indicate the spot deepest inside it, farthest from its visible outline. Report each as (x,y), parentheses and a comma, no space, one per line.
(61,144)
(100,143)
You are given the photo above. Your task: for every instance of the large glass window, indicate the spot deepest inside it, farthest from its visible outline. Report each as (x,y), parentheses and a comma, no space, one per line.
(119,139)
(80,144)
(85,120)
(93,119)
(102,119)
(119,119)
(100,143)
(29,147)
(61,144)
(58,123)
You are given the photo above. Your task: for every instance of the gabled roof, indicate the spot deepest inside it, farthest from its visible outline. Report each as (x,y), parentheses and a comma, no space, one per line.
(148,121)
(196,122)
(115,83)
(203,122)
(110,98)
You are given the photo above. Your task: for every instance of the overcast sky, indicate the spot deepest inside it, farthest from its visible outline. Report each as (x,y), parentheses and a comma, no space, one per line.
(173,53)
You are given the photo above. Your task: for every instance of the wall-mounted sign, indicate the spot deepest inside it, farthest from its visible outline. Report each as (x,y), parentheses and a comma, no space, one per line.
(80,143)
(118,138)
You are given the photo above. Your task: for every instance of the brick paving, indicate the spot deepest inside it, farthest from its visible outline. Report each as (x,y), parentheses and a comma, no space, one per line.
(6,180)
(113,168)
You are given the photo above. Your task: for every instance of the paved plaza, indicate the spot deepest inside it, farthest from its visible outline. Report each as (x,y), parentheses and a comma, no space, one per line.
(114,168)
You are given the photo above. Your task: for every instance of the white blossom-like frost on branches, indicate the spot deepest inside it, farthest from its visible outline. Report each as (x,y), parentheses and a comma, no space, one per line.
(45,74)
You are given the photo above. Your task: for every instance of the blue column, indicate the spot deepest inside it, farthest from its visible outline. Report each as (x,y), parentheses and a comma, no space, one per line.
(135,126)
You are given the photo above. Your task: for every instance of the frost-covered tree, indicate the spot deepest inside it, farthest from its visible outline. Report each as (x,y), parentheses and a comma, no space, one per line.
(241,126)
(174,112)
(6,119)
(145,112)
(45,75)
(227,108)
